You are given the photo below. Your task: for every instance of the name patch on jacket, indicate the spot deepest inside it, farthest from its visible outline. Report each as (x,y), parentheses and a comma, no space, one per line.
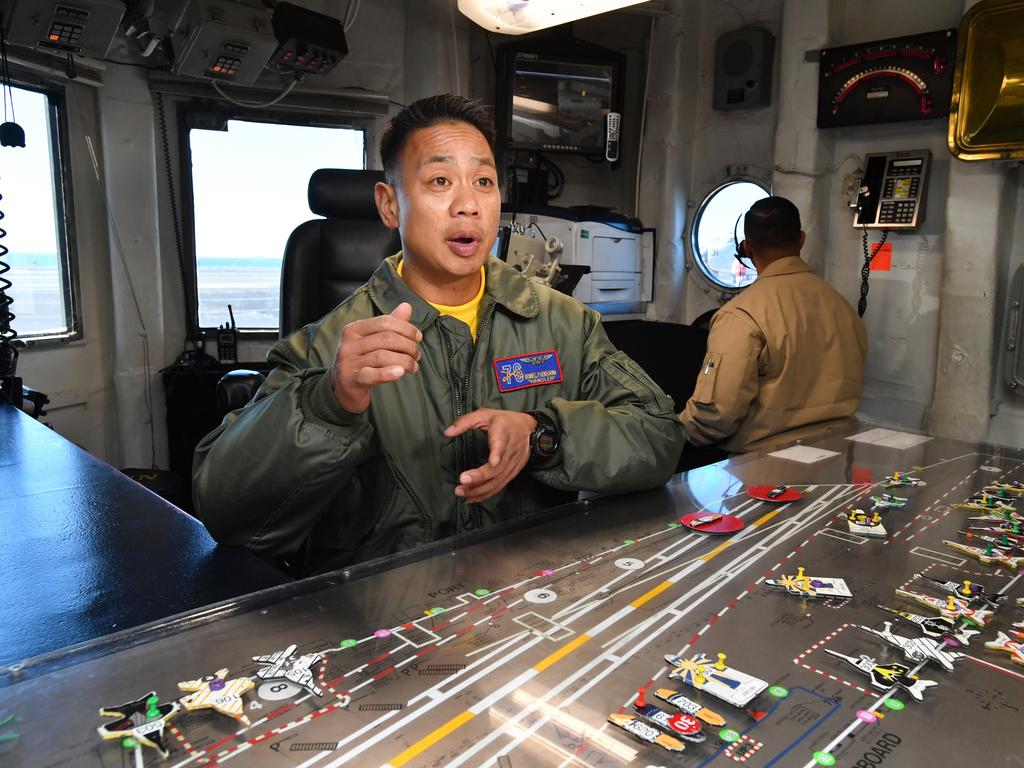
(534,369)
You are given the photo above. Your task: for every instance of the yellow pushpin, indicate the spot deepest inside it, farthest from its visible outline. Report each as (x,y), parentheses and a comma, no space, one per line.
(698,679)
(875,518)
(967,589)
(950,603)
(720,664)
(800,572)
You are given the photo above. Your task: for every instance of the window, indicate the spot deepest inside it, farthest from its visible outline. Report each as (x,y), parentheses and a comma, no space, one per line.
(718,227)
(249,192)
(35,218)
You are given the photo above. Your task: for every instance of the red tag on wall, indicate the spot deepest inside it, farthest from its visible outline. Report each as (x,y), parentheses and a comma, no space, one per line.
(882,262)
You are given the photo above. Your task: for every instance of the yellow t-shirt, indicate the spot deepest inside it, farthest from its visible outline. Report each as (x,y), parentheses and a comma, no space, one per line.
(469,313)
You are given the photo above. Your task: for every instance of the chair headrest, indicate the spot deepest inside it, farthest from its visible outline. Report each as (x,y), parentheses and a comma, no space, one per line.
(338,193)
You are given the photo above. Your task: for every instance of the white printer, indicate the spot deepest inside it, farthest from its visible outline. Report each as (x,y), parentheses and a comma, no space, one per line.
(618,250)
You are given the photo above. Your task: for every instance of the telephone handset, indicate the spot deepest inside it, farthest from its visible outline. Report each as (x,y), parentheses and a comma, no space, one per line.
(892,190)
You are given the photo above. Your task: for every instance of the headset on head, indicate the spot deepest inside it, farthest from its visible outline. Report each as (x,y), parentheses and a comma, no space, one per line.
(740,255)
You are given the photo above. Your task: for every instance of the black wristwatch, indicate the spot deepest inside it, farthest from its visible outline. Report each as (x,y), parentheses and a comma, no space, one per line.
(544,439)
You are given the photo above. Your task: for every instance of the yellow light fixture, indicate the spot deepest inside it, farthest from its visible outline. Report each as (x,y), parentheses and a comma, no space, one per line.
(517,17)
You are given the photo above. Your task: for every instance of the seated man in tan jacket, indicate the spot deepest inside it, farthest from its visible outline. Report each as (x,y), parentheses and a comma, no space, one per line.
(785,357)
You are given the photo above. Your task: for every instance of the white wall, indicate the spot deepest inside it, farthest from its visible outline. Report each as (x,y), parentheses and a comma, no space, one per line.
(78,376)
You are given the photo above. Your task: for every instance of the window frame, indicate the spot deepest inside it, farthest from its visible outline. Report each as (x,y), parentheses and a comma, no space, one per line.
(190,110)
(695,254)
(67,242)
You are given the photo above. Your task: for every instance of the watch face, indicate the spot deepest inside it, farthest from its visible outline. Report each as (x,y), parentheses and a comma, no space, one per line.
(546,443)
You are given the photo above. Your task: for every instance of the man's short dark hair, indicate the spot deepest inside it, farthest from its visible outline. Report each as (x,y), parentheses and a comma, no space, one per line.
(443,108)
(772,223)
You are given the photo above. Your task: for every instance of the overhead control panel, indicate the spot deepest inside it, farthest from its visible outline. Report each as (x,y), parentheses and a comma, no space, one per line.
(225,41)
(83,27)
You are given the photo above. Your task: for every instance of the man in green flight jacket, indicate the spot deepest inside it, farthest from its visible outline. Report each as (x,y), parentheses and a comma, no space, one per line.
(448,393)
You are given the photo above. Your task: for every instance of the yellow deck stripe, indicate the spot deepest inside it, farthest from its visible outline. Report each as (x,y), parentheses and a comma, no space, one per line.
(766,518)
(716,551)
(650,595)
(431,739)
(565,650)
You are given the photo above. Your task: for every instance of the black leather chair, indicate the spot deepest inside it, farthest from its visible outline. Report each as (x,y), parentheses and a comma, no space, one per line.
(325,260)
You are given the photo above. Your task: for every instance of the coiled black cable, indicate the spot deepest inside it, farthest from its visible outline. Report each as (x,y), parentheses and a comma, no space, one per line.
(8,350)
(865,271)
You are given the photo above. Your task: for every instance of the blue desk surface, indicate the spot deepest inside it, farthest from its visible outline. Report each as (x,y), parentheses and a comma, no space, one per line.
(87,551)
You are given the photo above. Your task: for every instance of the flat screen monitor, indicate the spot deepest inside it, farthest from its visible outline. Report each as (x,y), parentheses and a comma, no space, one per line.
(560,105)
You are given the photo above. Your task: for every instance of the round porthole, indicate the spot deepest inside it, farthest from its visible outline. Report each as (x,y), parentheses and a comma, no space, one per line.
(718,227)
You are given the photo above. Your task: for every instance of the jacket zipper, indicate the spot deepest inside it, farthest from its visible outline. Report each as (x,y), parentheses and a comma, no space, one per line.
(481,332)
(461,505)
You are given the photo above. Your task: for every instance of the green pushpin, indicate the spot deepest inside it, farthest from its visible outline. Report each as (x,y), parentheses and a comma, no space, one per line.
(348,643)
(989,549)
(824,758)
(129,743)
(1004,541)
(728,735)
(894,704)
(482,592)
(153,706)
(629,541)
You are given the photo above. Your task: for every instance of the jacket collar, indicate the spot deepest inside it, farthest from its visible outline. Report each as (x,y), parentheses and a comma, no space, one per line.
(787,265)
(506,286)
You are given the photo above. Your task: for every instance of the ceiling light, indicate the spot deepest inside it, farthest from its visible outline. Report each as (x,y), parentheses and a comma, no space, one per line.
(517,17)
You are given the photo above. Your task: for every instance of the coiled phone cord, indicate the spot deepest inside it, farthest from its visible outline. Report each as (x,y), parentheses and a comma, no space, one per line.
(865,271)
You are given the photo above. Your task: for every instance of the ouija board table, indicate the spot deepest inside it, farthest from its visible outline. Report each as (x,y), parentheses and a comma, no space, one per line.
(535,645)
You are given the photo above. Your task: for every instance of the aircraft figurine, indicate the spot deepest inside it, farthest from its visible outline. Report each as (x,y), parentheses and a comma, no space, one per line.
(728,684)
(988,555)
(689,706)
(859,522)
(938,627)
(950,607)
(1004,643)
(1016,488)
(885,676)
(975,594)
(1001,541)
(645,732)
(810,586)
(984,503)
(143,721)
(916,649)
(682,725)
(902,480)
(888,501)
(283,666)
(217,693)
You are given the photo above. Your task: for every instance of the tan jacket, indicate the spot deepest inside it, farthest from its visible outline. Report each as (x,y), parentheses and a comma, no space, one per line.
(785,359)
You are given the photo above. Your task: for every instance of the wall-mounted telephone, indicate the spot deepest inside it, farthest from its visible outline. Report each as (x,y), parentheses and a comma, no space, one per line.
(892,190)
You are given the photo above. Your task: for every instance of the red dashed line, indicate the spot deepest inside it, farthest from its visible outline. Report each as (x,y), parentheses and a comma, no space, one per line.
(498,612)
(279,712)
(225,740)
(426,649)
(378,658)
(385,673)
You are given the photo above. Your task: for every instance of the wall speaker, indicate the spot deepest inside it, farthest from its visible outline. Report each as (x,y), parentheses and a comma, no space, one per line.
(744,61)
(743,65)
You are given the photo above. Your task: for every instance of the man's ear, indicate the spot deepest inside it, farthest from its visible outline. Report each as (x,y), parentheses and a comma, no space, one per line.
(803,237)
(386,197)
(746,249)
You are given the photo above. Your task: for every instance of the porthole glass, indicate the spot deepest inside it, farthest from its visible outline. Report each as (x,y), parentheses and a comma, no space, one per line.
(717,229)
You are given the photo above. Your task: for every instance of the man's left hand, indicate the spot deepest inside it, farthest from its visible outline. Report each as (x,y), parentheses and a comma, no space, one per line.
(508,438)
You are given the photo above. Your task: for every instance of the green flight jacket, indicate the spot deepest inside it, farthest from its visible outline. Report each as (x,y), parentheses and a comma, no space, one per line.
(293,470)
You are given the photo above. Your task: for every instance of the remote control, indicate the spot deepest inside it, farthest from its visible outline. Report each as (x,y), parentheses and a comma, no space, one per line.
(611,150)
